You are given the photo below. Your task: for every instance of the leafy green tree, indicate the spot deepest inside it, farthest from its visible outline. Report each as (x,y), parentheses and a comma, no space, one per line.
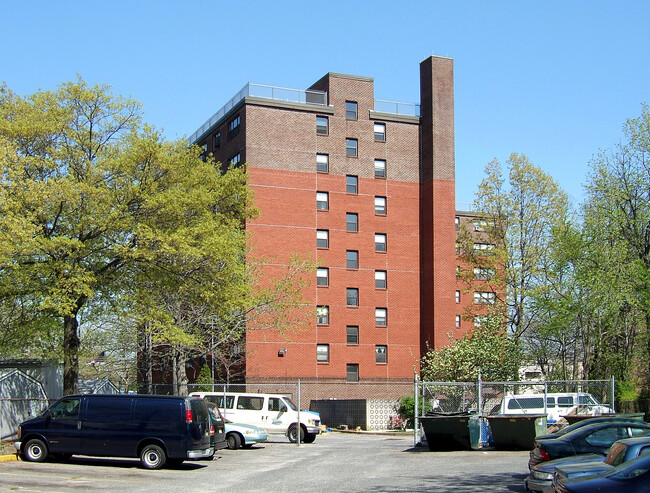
(486,350)
(519,213)
(97,210)
(617,230)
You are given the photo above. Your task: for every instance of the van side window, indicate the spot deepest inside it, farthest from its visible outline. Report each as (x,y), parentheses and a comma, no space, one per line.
(566,401)
(218,400)
(526,403)
(250,403)
(67,408)
(550,402)
(276,404)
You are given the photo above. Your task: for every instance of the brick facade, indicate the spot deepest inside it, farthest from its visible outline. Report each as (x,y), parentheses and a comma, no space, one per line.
(279,143)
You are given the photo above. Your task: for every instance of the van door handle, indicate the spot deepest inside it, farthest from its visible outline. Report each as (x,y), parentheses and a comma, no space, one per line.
(78,425)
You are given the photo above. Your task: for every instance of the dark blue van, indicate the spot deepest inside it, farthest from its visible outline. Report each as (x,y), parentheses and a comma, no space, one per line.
(158,429)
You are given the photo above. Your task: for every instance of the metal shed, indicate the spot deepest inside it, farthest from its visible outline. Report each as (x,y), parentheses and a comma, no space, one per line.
(21,397)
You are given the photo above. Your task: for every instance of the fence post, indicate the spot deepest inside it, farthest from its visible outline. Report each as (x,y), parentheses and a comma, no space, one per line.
(299,427)
(613,393)
(416,420)
(479,392)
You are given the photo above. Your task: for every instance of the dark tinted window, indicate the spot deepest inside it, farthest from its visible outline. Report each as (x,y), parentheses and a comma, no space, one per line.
(199,409)
(276,404)
(565,401)
(66,408)
(250,403)
(526,403)
(606,436)
(218,400)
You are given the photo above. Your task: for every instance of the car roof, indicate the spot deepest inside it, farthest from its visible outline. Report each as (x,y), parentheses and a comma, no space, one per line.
(596,426)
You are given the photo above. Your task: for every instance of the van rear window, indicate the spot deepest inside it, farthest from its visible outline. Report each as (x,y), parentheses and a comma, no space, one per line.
(566,401)
(526,403)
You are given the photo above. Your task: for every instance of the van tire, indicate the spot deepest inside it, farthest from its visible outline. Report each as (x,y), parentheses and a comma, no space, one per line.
(35,450)
(293,434)
(152,457)
(309,438)
(234,441)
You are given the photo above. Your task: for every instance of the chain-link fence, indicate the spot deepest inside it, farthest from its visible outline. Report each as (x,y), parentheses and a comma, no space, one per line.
(555,399)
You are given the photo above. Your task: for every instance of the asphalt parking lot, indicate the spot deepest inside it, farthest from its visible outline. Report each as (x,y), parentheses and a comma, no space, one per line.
(334,462)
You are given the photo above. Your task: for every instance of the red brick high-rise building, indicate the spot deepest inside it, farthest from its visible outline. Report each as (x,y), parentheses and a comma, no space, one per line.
(367,188)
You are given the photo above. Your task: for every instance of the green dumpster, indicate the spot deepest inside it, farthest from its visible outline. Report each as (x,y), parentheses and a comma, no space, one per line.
(517,432)
(451,431)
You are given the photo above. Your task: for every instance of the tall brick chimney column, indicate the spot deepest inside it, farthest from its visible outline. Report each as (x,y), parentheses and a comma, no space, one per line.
(437,202)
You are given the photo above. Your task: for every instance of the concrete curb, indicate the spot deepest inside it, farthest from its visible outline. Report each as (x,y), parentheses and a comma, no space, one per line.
(7,458)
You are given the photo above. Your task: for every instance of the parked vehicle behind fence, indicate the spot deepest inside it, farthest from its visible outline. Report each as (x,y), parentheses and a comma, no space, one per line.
(276,413)
(158,429)
(557,405)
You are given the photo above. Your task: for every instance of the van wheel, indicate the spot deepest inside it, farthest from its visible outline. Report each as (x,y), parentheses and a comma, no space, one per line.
(309,438)
(234,442)
(293,434)
(152,457)
(35,451)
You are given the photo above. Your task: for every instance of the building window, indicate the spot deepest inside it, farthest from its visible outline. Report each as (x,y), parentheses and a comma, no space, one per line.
(458,249)
(483,248)
(352,372)
(323,353)
(323,315)
(380,168)
(351,110)
(322,201)
(381,354)
(484,297)
(204,155)
(381,317)
(380,205)
(351,184)
(380,279)
(352,259)
(235,160)
(322,163)
(457,296)
(480,224)
(353,334)
(233,127)
(322,238)
(380,132)
(478,320)
(380,242)
(322,125)
(322,276)
(351,221)
(457,222)
(216,140)
(351,147)
(457,271)
(352,296)
(483,273)
(458,321)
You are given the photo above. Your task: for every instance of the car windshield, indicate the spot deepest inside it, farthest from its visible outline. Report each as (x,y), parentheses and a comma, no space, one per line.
(291,405)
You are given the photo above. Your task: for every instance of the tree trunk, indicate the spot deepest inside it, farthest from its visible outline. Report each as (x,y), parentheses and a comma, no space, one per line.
(145,361)
(70,354)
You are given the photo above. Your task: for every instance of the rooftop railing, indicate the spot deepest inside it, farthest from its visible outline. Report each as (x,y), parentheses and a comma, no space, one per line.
(262,91)
(397,108)
(299,96)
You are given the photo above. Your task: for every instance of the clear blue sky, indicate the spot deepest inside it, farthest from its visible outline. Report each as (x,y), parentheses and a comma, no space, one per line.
(554,80)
